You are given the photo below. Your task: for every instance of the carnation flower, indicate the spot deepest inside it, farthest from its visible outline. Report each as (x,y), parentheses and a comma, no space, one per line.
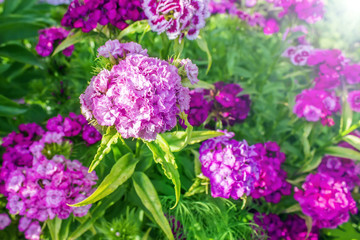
(88,14)
(341,169)
(177,17)
(191,69)
(310,11)
(4,221)
(354,100)
(271,223)
(296,229)
(230,165)
(272,179)
(91,135)
(352,73)
(326,200)
(299,54)
(315,105)
(33,231)
(140,96)
(48,38)
(120,50)
(271,27)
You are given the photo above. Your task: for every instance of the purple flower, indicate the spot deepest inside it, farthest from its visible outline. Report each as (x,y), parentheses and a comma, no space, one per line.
(230,165)
(354,100)
(91,135)
(272,179)
(24,223)
(4,221)
(326,200)
(298,55)
(191,69)
(55,124)
(48,38)
(272,224)
(142,97)
(120,50)
(271,27)
(250,3)
(352,74)
(310,11)
(177,17)
(33,232)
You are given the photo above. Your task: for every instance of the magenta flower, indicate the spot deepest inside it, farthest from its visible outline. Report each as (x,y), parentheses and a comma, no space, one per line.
(315,105)
(354,100)
(299,54)
(91,135)
(352,74)
(4,221)
(140,96)
(178,18)
(271,27)
(33,231)
(250,3)
(191,69)
(326,200)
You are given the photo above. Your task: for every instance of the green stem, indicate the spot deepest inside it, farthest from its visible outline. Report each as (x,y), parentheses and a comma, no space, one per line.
(138,147)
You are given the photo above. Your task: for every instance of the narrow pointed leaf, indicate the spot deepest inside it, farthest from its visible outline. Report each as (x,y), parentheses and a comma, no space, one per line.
(136,27)
(204,46)
(73,38)
(346,116)
(343,153)
(149,197)
(109,138)
(120,172)
(163,155)
(353,141)
(176,139)
(9,108)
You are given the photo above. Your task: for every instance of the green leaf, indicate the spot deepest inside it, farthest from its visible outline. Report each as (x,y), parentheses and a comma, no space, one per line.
(109,138)
(294,208)
(200,84)
(343,152)
(346,116)
(9,108)
(136,27)
(176,139)
(204,46)
(10,6)
(54,226)
(73,38)
(11,31)
(20,54)
(97,213)
(149,197)
(120,172)
(312,164)
(163,155)
(353,141)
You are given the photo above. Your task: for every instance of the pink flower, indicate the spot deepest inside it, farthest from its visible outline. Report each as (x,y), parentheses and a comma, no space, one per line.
(352,73)
(354,100)
(33,232)
(271,27)
(191,69)
(120,50)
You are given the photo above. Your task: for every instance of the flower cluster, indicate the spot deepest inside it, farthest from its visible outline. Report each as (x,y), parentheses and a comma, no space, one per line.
(4,221)
(341,169)
(292,228)
(37,181)
(310,11)
(223,103)
(50,37)
(88,14)
(178,18)
(272,181)
(230,165)
(298,54)
(326,199)
(315,105)
(141,96)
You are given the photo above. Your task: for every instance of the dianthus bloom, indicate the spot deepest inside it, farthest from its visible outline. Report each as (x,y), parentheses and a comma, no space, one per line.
(298,54)
(341,169)
(230,165)
(354,100)
(272,181)
(326,200)
(272,225)
(140,96)
(177,17)
(120,50)
(296,229)
(41,186)
(50,37)
(271,27)
(223,103)
(88,14)
(330,64)
(4,221)
(352,73)
(310,11)
(315,105)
